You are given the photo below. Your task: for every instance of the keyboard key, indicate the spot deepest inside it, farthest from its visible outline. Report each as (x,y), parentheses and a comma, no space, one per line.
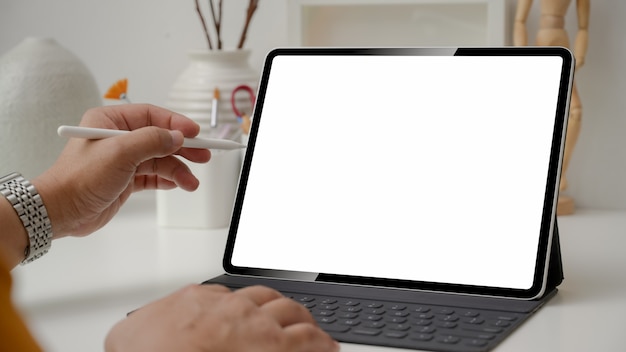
(350,322)
(449,318)
(326,320)
(396,334)
(399,313)
(396,320)
(507,317)
(448,339)
(476,343)
(501,323)
(446,324)
(422,322)
(374,324)
(374,305)
(475,321)
(425,329)
(351,303)
(399,327)
(397,307)
(347,315)
(470,314)
(369,332)
(421,337)
(485,336)
(324,313)
(424,316)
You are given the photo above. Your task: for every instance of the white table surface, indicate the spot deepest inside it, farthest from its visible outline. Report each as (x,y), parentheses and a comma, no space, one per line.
(72,296)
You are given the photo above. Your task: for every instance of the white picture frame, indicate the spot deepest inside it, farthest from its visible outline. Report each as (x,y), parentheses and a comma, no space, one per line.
(397,22)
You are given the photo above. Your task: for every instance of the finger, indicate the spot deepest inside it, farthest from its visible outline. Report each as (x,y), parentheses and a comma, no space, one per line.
(145,144)
(259,294)
(309,338)
(200,293)
(135,116)
(217,288)
(287,312)
(164,167)
(203,291)
(195,155)
(164,118)
(151,182)
(169,168)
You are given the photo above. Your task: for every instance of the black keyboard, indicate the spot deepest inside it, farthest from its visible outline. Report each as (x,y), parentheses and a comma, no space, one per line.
(407,319)
(410,325)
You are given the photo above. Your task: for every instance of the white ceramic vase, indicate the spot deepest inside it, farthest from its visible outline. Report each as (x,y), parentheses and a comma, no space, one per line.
(192,92)
(42,86)
(210,206)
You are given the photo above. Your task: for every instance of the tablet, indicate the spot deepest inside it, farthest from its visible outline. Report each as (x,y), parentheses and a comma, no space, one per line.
(416,168)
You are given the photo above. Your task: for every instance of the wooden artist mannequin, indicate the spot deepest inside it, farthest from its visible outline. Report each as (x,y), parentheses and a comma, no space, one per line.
(552,33)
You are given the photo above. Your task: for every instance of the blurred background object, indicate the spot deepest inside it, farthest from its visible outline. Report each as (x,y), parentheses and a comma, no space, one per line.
(42,85)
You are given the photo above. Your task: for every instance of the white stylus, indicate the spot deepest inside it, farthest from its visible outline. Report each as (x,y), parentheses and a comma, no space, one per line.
(101,133)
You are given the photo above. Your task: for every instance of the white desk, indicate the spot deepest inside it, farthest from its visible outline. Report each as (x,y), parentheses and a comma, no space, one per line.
(73,295)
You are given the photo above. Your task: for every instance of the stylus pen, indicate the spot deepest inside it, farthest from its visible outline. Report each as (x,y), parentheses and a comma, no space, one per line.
(101,133)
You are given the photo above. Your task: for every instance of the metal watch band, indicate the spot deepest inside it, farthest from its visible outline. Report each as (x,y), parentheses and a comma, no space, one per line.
(30,208)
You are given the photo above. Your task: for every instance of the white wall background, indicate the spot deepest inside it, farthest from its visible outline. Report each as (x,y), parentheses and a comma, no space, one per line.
(147,41)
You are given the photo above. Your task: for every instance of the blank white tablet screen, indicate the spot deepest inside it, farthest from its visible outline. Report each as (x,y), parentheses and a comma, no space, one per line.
(425,168)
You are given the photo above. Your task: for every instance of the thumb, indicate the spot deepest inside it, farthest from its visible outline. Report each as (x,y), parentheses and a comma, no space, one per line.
(150,142)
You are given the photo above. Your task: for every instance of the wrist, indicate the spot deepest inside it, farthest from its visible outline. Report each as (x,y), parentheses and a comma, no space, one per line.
(50,191)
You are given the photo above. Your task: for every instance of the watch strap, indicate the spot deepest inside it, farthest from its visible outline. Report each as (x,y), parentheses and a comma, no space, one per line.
(30,208)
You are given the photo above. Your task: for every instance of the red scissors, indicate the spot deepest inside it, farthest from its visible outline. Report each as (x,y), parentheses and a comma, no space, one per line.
(242,117)
(244,88)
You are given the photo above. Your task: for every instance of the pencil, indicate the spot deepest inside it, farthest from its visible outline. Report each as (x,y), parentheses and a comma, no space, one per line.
(215,107)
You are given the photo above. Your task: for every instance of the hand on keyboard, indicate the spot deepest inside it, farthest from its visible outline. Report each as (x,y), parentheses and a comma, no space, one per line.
(214,318)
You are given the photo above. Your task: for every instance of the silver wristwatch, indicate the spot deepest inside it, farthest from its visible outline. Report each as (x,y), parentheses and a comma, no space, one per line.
(29,207)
